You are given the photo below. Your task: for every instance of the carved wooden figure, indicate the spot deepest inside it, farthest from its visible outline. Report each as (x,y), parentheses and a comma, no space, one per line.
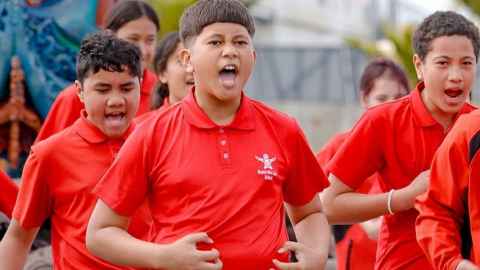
(16,112)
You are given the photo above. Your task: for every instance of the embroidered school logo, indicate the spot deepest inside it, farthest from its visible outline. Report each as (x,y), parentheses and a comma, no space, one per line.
(267,170)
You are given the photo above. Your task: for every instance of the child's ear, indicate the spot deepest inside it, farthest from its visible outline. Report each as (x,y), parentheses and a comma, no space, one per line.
(162,77)
(78,85)
(418,63)
(185,58)
(363,100)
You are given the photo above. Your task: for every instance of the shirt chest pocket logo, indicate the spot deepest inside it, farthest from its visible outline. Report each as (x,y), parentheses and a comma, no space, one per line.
(267,170)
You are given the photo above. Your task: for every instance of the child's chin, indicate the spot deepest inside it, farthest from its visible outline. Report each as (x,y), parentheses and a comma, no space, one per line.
(115,132)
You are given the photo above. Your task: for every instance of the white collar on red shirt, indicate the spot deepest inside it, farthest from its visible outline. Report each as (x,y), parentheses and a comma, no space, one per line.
(244,118)
(92,134)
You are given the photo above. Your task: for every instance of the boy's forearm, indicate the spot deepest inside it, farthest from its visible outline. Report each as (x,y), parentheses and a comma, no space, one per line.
(15,246)
(115,245)
(352,207)
(15,252)
(314,231)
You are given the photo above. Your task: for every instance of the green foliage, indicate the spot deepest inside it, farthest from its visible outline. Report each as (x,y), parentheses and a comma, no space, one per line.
(170,12)
(401,41)
(473,5)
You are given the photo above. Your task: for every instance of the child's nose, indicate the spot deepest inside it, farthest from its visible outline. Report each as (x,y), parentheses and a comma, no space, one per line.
(229,50)
(115,100)
(454,73)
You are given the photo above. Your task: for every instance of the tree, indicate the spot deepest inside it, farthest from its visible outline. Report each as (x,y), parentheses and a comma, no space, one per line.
(400,48)
(170,12)
(473,5)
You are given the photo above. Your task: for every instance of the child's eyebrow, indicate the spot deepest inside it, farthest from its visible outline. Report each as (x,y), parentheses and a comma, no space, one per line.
(240,35)
(102,84)
(215,35)
(449,57)
(127,84)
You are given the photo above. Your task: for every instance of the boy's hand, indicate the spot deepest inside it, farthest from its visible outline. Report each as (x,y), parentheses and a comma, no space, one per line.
(467,265)
(404,199)
(308,258)
(184,254)
(420,184)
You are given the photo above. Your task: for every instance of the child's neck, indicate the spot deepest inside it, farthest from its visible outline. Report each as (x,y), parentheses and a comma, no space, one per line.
(443,118)
(220,112)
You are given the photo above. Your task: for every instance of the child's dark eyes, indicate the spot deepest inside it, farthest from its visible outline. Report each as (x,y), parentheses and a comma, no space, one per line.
(242,42)
(127,89)
(442,63)
(150,40)
(214,42)
(102,90)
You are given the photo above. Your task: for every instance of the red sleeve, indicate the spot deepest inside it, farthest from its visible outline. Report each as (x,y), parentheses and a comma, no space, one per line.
(329,149)
(125,184)
(442,207)
(362,153)
(64,111)
(306,178)
(34,198)
(9,191)
(148,82)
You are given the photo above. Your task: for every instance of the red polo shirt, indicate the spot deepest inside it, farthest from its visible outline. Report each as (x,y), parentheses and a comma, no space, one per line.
(328,151)
(356,250)
(454,191)
(57,182)
(139,119)
(396,139)
(229,181)
(67,106)
(8,194)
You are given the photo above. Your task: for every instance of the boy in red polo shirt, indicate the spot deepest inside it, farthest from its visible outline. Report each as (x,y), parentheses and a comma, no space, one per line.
(134,21)
(62,170)
(8,194)
(216,168)
(451,202)
(382,80)
(398,140)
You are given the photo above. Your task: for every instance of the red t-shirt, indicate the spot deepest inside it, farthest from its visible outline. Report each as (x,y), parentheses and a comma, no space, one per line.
(229,181)
(452,193)
(8,194)
(370,185)
(57,182)
(356,251)
(397,140)
(66,108)
(327,152)
(139,119)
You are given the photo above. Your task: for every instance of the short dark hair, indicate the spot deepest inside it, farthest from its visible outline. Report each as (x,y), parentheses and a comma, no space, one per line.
(206,12)
(382,67)
(129,10)
(444,23)
(165,49)
(102,50)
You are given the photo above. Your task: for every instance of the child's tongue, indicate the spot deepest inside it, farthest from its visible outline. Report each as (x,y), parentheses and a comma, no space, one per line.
(114,121)
(227,79)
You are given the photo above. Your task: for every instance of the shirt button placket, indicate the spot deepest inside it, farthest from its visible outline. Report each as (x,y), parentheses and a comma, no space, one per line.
(225,156)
